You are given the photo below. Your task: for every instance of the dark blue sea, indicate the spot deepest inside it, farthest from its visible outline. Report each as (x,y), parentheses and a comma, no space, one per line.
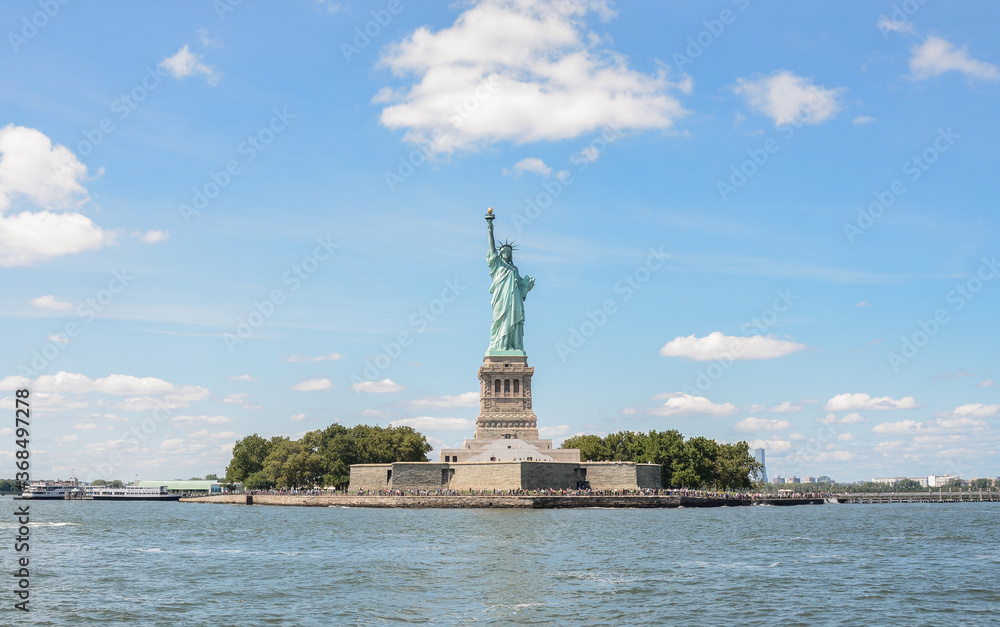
(99,563)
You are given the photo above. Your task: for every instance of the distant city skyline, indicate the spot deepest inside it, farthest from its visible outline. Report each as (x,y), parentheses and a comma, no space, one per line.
(771,222)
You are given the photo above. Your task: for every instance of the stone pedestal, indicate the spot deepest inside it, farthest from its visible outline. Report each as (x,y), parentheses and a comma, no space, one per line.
(505,399)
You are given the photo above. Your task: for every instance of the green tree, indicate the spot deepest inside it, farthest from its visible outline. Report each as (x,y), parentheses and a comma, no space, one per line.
(736,468)
(661,447)
(248,458)
(981,484)
(212,477)
(907,485)
(99,482)
(592,448)
(696,466)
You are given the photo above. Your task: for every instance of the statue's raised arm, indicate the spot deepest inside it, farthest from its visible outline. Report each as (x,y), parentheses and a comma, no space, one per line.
(509,290)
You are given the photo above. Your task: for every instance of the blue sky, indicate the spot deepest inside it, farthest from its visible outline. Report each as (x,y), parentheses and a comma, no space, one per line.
(763,221)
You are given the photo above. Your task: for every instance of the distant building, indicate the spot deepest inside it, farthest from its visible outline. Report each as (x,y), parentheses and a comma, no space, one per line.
(793,479)
(810,479)
(184,487)
(778,480)
(824,479)
(889,480)
(758,454)
(937,481)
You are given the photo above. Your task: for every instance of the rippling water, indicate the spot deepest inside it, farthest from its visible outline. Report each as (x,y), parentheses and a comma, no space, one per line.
(98,563)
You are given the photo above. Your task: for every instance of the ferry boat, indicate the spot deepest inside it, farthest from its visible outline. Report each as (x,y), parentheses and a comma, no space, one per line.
(53,490)
(130,493)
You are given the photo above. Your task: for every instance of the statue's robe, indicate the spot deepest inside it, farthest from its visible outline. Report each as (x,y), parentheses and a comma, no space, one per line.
(509,290)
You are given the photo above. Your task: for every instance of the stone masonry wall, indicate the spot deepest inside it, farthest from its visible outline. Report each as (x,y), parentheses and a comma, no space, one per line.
(369,476)
(649,476)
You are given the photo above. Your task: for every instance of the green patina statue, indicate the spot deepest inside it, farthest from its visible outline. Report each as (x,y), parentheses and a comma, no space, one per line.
(509,290)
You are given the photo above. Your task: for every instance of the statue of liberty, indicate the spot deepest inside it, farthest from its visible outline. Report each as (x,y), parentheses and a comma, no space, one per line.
(509,290)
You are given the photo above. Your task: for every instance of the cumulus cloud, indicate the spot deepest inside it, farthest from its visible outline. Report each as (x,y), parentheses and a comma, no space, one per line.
(427,423)
(849,419)
(786,407)
(48,177)
(327,357)
(313,385)
(534,165)
(860,121)
(385,386)
(520,71)
(772,446)
(861,401)
(465,399)
(51,303)
(186,63)
(761,424)
(203,419)
(553,431)
(715,345)
(85,426)
(973,410)
(938,425)
(986,383)
(297,417)
(787,98)
(152,236)
(937,56)
(681,404)
(243,377)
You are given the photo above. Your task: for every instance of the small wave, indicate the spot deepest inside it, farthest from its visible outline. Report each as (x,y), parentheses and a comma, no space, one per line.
(53,524)
(153,550)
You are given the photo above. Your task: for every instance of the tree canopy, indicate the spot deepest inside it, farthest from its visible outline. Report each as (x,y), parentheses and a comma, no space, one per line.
(323,457)
(695,463)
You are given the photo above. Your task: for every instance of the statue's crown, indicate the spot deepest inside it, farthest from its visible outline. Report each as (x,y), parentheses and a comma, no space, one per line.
(509,245)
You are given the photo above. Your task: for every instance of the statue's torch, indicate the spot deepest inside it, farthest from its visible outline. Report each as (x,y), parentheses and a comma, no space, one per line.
(489,215)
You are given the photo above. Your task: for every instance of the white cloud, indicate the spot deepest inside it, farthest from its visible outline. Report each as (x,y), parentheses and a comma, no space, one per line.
(297,417)
(863,303)
(859,121)
(51,303)
(554,431)
(172,444)
(427,423)
(244,377)
(186,63)
(681,404)
(465,399)
(533,165)
(761,424)
(715,345)
(14,382)
(65,383)
(986,383)
(887,25)
(206,40)
(861,401)
(787,98)
(203,419)
(385,386)
(973,410)
(58,338)
(152,236)
(773,446)
(786,407)
(938,425)
(27,238)
(520,71)
(849,419)
(48,176)
(313,385)
(236,398)
(327,357)
(845,437)
(936,56)
(88,426)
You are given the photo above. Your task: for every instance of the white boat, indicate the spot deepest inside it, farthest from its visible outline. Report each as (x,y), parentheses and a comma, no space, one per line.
(130,493)
(53,490)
